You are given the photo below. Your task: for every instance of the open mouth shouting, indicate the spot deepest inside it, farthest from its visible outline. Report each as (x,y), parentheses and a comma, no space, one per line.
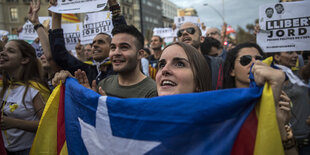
(187,39)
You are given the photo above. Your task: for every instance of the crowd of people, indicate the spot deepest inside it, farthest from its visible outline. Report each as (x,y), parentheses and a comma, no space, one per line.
(122,66)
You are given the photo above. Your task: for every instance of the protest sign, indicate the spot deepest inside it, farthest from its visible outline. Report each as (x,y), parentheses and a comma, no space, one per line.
(183,19)
(163,32)
(285,27)
(95,23)
(3,33)
(72,34)
(78,6)
(29,33)
(166,33)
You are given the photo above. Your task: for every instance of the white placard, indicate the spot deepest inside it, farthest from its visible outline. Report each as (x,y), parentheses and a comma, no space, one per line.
(72,34)
(3,33)
(166,33)
(28,32)
(183,19)
(163,32)
(78,6)
(95,23)
(285,27)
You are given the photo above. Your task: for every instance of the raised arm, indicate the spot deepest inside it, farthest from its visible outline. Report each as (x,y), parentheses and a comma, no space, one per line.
(117,18)
(34,19)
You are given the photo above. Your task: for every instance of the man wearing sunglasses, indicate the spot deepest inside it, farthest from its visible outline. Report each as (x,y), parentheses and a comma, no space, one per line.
(190,33)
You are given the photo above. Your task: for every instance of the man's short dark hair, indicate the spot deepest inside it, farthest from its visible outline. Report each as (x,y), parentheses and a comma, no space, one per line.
(208,43)
(160,38)
(109,37)
(130,29)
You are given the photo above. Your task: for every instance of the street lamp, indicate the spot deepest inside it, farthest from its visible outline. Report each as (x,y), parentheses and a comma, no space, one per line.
(206,4)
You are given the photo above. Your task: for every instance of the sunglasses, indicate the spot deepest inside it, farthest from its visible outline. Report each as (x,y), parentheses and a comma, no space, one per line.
(246,59)
(189,30)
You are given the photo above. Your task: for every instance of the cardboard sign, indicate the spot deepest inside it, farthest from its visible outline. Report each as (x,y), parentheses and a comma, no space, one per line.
(183,19)
(3,33)
(95,23)
(285,27)
(72,34)
(166,33)
(78,6)
(29,33)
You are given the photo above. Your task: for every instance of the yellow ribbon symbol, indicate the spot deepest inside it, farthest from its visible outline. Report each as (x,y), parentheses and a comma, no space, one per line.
(108,15)
(77,27)
(13,107)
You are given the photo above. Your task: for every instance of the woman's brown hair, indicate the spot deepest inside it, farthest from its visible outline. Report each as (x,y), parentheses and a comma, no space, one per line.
(32,71)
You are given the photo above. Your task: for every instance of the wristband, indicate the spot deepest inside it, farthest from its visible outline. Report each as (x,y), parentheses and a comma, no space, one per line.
(37,26)
(290,142)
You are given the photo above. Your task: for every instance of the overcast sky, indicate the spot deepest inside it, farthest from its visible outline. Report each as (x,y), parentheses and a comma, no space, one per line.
(236,12)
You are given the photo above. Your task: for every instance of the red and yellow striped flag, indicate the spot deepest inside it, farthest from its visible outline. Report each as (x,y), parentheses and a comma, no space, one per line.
(70,18)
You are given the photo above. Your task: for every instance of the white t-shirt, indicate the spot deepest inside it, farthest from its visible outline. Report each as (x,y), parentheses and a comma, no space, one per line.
(16,139)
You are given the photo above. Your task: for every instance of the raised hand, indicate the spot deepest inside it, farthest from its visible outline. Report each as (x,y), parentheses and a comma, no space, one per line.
(33,12)
(82,78)
(284,108)
(60,76)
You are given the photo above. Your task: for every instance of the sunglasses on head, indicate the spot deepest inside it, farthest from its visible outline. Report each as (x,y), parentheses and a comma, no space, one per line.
(189,30)
(246,59)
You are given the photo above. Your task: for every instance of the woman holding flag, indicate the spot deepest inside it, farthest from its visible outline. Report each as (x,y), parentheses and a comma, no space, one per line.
(23,96)
(237,75)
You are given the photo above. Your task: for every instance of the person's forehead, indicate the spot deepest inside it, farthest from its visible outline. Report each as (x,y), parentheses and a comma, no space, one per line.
(174,51)
(101,37)
(210,30)
(123,38)
(248,51)
(11,44)
(155,38)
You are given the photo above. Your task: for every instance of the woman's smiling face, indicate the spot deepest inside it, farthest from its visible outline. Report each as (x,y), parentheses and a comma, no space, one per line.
(175,75)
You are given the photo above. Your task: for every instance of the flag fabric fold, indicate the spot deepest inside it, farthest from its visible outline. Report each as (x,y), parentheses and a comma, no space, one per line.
(197,123)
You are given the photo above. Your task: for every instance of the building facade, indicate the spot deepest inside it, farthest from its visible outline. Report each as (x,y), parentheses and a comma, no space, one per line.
(187,12)
(13,13)
(151,16)
(169,11)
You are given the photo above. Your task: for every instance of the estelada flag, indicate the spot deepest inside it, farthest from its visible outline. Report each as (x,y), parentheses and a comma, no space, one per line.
(70,18)
(213,122)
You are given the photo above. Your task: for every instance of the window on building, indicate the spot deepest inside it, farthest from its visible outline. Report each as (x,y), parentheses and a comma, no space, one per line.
(14,14)
(15,1)
(150,4)
(158,7)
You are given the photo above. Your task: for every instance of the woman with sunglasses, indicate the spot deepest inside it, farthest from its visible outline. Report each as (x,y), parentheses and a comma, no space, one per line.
(236,75)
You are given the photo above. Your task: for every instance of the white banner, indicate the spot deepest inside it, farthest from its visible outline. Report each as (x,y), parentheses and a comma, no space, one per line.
(95,23)
(3,33)
(78,6)
(183,19)
(163,32)
(72,34)
(166,33)
(285,27)
(29,33)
